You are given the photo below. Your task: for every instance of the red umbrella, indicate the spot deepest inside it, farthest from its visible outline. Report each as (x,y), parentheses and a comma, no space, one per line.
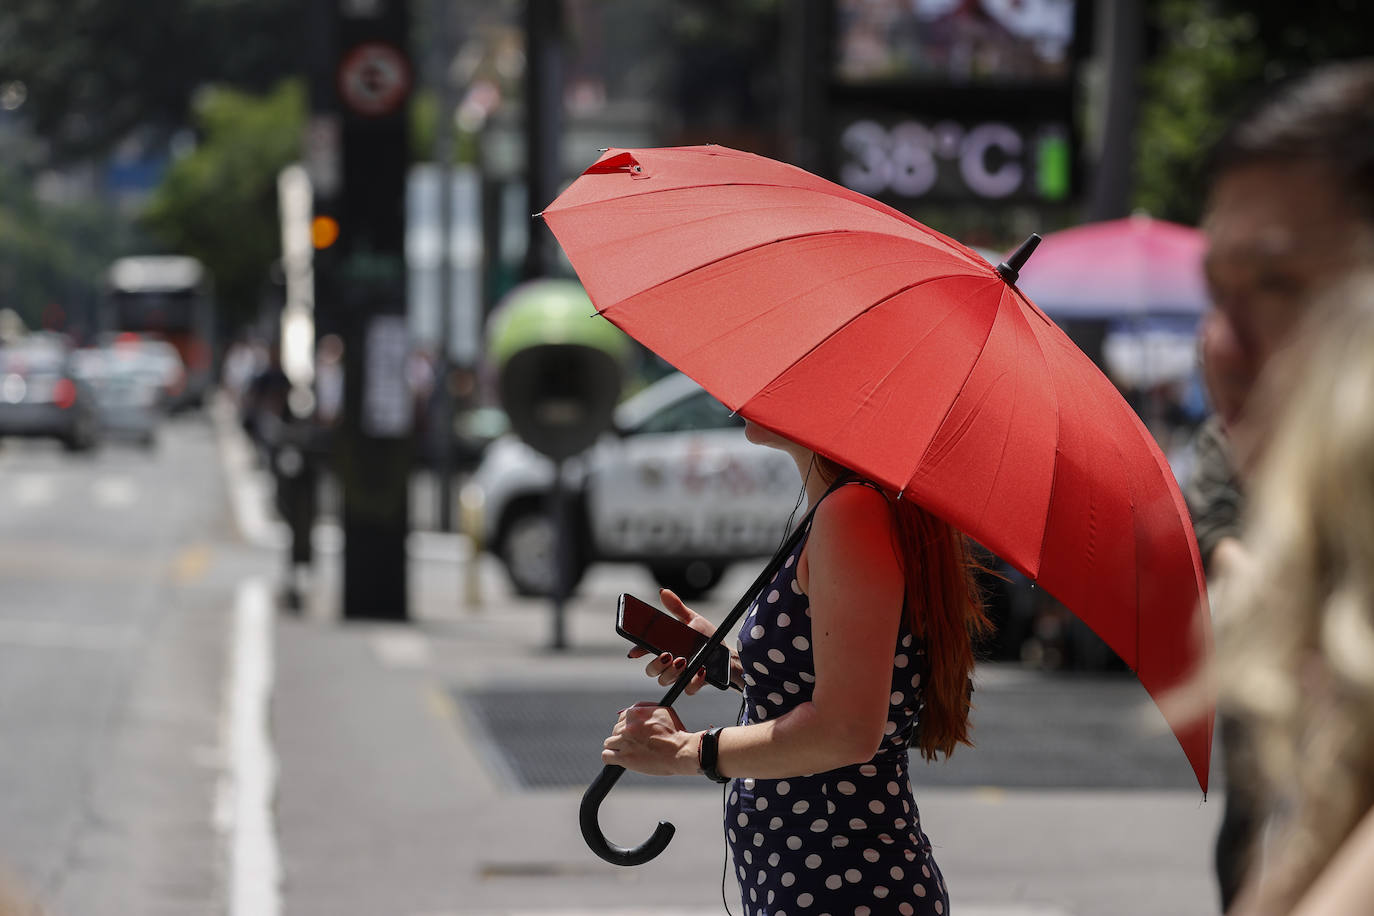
(1119,268)
(857,332)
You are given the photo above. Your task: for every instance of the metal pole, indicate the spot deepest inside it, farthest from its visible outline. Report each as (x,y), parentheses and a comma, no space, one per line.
(443,155)
(561,550)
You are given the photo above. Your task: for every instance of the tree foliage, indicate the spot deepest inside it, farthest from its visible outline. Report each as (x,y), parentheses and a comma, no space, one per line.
(219,203)
(1212,58)
(96,69)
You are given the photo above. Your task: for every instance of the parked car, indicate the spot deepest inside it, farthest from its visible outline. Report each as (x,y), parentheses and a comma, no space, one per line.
(674,486)
(41,395)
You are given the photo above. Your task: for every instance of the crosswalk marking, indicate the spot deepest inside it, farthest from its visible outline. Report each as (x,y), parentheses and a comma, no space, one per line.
(34,489)
(114,492)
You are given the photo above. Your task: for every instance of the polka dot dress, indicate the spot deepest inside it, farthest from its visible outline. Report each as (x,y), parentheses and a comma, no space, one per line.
(848,841)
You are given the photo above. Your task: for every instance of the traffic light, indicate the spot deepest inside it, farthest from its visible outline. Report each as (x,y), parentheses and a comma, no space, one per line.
(324,231)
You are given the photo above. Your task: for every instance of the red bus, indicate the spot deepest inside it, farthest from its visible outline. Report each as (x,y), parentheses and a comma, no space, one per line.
(167,297)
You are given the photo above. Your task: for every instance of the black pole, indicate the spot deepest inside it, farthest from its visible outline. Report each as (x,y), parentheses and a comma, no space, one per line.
(543,125)
(367,279)
(562,551)
(443,154)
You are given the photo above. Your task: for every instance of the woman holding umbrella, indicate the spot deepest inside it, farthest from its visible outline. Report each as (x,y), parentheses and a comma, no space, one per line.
(859,647)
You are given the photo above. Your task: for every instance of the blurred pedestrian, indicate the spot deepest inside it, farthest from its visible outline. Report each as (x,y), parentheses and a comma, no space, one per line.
(860,646)
(1290,212)
(1295,659)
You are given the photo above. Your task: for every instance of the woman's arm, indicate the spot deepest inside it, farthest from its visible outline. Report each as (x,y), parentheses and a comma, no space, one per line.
(854,580)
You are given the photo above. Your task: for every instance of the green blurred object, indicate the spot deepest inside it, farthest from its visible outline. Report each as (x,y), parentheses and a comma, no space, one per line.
(1053,171)
(550,311)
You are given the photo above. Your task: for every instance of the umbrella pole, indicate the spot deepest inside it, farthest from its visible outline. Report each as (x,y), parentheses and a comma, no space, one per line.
(611,773)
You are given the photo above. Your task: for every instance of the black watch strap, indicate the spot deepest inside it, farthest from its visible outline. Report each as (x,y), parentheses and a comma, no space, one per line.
(710,753)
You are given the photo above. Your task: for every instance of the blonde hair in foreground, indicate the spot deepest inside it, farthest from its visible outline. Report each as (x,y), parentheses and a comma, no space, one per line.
(1296,628)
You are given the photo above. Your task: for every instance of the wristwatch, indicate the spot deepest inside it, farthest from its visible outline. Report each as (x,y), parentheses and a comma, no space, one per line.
(708,753)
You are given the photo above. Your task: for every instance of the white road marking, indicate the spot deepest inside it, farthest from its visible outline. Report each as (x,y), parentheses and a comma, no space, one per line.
(114,492)
(250,785)
(34,489)
(401,650)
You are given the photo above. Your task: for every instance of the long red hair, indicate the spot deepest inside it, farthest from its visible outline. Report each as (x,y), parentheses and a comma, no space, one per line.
(944,606)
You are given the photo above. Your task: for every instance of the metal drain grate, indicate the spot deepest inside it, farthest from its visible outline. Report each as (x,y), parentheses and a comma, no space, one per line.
(546,739)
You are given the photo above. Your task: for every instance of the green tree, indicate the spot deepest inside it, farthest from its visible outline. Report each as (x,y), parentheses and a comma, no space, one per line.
(219,202)
(94,70)
(1212,57)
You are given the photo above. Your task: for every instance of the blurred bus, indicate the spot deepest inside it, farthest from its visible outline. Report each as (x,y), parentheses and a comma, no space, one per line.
(168,297)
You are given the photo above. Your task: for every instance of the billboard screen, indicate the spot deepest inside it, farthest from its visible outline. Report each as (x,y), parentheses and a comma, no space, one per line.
(961,42)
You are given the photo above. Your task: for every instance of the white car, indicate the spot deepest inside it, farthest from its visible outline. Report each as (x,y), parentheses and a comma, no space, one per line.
(675,486)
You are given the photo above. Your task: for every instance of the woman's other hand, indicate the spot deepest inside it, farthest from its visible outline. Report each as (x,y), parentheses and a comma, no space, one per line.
(665,668)
(649,738)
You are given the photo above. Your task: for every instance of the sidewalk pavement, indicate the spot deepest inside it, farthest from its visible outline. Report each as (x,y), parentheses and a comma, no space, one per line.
(392,796)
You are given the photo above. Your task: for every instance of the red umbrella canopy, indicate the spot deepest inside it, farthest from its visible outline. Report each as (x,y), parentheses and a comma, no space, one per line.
(1119,268)
(858,332)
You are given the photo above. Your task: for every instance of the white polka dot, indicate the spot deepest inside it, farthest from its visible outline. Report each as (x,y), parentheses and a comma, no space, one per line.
(773,596)
(894,789)
(775,824)
(800,806)
(900,661)
(754,894)
(783,787)
(846,787)
(939,907)
(761,803)
(829,806)
(771,895)
(760,667)
(899,823)
(801,643)
(880,892)
(819,824)
(794,843)
(758,839)
(748,857)
(731,834)
(776,656)
(774,859)
(813,861)
(742,820)
(916,681)
(790,561)
(762,713)
(784,620)
(906,640)
(896,873)
(757,632)
(895,699)
(911,855)
(862,911)
(734,796)
(919,890)
(791,687)
(808,677)
(749,783)
(775,699)
(749,679)
(839,841)
(805,900)
(871,855)
(834,882)
(741,872)
(906,909)
(925,870)
(796,587)
(885,838)
(890,729)
(868,769)
(875,806)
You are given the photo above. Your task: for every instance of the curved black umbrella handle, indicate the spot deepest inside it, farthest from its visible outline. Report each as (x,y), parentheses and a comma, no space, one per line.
(596,840)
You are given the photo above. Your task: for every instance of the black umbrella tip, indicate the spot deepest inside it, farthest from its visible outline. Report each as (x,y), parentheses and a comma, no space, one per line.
(1010,269)
(539,215)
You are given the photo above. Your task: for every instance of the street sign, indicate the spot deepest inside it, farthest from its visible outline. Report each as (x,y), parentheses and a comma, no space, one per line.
(374,78)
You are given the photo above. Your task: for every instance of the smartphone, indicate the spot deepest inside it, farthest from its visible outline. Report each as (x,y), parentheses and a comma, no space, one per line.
(658,631)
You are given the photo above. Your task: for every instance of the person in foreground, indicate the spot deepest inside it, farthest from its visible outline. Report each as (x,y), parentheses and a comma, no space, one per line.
(1295,657)
(861,645)
(1290,212)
